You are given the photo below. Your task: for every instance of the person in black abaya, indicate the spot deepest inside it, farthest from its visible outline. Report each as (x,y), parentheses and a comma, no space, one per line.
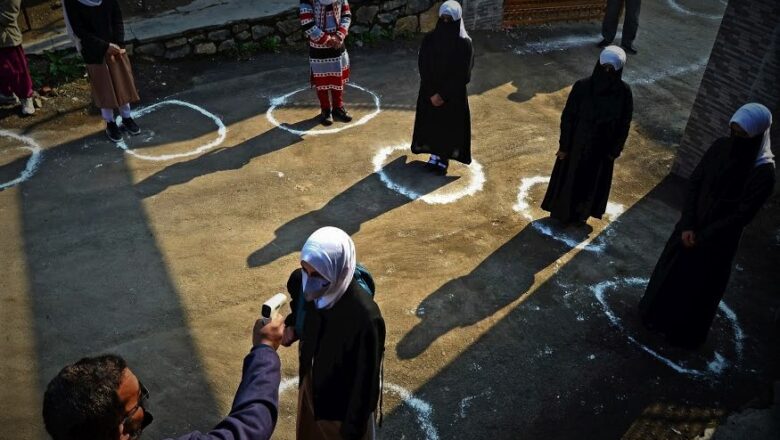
(594,129)
(442,125)
(733,180)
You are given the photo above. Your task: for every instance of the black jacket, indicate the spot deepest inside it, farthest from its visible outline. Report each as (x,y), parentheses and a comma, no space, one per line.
(341,348)
(96,27)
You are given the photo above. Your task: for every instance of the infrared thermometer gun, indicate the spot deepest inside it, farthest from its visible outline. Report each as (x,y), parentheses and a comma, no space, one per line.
(272,306)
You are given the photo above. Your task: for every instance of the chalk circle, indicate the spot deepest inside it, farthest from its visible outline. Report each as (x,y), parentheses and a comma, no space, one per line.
(281,100)
(715,367)
(32,163)
(475,184)
(523,206)
(221,131)
(675,4)
(422,409)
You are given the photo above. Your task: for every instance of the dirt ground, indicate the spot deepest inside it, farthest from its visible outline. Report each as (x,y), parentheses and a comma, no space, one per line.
(495,328)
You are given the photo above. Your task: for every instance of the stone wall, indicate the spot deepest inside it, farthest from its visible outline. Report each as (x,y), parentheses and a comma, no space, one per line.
(744,66)
(382,18)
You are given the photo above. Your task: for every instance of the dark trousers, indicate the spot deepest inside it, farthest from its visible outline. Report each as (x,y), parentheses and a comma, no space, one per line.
(612,16)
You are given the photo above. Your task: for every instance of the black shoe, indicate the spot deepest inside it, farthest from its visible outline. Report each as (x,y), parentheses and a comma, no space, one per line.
(340,114)
(113,132)
(131,127)
(629,47)
(604,43)
(326,118)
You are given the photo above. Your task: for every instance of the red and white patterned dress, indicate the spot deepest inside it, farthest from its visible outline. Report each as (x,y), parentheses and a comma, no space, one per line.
(329,66)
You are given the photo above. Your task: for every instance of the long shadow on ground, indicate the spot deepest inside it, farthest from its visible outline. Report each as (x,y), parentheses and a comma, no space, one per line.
(98,282)
(500,279)
(555,368)
(367,199)
(221,159)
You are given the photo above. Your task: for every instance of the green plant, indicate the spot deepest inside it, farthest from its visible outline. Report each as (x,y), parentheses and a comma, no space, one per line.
(63,66)
(271,44)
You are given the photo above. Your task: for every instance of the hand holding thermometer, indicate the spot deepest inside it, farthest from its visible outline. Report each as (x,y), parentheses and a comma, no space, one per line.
(272,306)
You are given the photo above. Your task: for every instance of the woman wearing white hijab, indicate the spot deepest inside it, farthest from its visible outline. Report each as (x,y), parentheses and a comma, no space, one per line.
(98,32)
(342,340)
(442,125)
(731,183)
(594,129)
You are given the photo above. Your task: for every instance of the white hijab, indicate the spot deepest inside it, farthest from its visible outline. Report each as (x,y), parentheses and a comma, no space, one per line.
(614,56)
(331,252)
(69,28)
(454,10)
(756,119)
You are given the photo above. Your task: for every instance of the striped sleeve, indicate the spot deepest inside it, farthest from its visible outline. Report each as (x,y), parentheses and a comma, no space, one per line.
(346,20)
(310,29)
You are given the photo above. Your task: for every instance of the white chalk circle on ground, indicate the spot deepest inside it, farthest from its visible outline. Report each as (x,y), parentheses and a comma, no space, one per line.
(522,206)
(281,100)
(716,366)
(476,182)
(674,4)
(32,163)
(221,131)
(421,409)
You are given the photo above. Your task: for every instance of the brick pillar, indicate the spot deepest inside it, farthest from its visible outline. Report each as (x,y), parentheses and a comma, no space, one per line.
(744,67)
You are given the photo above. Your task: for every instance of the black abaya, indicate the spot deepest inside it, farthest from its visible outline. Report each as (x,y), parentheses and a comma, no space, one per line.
(594,129)
(687,284)
(445,63)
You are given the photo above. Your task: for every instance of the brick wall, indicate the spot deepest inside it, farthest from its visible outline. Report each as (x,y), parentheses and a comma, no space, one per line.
(483,14)
(744,66)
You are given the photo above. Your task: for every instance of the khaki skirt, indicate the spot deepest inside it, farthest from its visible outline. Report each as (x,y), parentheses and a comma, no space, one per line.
(112,83)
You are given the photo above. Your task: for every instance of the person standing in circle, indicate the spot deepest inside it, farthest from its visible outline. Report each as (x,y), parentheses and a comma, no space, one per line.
(98,31)
(630,23)
(442,124)
(14,71)
(733,180)
(594,129)
(342,340)
(326,25)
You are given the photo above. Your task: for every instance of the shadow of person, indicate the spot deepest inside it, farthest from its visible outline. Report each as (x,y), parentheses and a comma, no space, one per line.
(222,159)
(367,199)
(500,279)
(98,282)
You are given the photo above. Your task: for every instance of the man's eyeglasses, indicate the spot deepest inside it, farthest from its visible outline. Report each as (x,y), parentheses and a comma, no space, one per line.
(143,403)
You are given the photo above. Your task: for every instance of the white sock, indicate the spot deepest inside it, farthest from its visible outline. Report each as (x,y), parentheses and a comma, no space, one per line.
(125,111)
(108,114)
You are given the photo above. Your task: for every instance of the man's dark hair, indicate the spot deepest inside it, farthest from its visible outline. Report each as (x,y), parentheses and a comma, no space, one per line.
(82,402)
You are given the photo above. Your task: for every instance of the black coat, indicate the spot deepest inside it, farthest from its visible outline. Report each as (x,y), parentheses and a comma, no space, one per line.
(687,284)
(594,129)
(445,68)
(342,349)
(96,27)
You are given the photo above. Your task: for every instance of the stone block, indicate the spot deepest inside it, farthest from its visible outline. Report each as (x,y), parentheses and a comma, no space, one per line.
(197,38)
(239,28)
(219,35)
(387,17)
(205,49)
(417,6)
(259,32)
(153,49)
(358,29)
(407,25)
(178,52)
(393,4)
(429,18)
(287,27)
(226,45)
(366,14)
(243,36)
(176,42)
